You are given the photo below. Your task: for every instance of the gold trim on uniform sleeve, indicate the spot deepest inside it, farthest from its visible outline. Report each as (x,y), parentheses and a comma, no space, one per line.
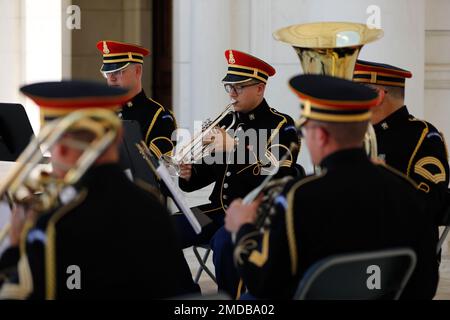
(22,289)
(424,187)
(420,169)
(290,225)
(260,258)
(416,149)
(150,127)
(244,247)
(50,250)
(163,138)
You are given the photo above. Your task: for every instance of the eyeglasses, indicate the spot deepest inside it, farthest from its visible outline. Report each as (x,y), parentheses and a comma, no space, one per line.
(115,74)
(302,130)
(237,89)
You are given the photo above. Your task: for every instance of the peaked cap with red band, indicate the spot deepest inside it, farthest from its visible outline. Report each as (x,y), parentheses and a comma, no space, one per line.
(244,67)
(379,73)
(118,55)
(332,99)
(59,98)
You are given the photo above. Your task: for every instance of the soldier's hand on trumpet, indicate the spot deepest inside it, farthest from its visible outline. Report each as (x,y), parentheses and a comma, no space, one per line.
(219,140)
(239,214)
(185,171)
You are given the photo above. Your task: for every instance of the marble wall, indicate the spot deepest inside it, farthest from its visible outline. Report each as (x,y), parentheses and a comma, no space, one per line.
(121,20)
(437,65)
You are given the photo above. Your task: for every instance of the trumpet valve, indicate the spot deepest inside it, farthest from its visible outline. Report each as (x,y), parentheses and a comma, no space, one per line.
(206,124)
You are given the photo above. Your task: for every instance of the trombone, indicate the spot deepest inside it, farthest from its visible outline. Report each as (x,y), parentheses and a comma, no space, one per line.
(39,191)
(196,148)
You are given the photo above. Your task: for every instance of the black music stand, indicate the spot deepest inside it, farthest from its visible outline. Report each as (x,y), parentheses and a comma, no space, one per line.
(130,158)
(15,131)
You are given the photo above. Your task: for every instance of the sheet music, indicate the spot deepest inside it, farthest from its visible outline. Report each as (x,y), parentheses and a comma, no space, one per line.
(180,201)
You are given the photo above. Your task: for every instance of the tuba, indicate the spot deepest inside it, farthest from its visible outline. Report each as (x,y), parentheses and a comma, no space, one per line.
(196,148)
(331,48)
(30,186)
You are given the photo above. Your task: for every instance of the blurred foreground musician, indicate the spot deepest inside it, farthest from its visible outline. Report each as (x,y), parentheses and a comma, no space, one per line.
(100,238)
(352,205)
(412,146)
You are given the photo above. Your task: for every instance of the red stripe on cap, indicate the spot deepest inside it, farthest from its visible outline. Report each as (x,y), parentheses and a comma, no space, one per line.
(338,104)
(109,46)
(80,103)
(235,57)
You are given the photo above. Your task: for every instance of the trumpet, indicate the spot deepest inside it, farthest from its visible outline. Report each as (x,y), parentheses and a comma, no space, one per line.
(196,148)
(35,189)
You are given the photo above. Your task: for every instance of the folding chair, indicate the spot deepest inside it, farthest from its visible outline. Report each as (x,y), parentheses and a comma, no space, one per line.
(202,262)
(445,222)
(350,276)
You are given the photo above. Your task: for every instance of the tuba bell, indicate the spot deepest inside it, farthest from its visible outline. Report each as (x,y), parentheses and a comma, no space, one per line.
(331,48)
(196,148)
(29,185)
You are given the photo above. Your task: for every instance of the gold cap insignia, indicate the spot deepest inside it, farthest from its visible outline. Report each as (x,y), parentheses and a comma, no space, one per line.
(231,58)
(105,48)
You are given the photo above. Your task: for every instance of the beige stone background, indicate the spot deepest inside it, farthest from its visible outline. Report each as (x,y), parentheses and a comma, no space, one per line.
(121,20)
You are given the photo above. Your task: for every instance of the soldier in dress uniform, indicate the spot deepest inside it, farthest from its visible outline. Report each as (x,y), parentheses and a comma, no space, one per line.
(412,146)
(242,159)
(99,240)
(352,205)
(122,67)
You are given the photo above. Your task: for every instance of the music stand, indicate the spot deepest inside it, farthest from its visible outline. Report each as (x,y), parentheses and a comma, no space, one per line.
(15,131)
(130,158)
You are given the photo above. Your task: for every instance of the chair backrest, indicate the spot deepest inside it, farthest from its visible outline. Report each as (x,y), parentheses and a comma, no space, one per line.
(373,275)
(15,131)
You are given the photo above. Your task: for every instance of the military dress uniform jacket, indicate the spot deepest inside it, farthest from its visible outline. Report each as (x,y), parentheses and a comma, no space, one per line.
(352,206)
(241,171)
(157,123)
(113,231)
(417,149)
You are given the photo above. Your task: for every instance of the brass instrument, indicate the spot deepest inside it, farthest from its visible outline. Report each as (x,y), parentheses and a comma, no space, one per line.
(331,48)
(270,189)
(251,196)
(27,185)
(196,148)
(268,209)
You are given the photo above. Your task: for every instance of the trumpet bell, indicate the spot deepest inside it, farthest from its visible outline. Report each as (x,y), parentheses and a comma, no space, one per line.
(329,48)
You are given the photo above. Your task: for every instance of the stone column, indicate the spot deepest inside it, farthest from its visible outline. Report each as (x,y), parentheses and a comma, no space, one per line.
(201,35)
